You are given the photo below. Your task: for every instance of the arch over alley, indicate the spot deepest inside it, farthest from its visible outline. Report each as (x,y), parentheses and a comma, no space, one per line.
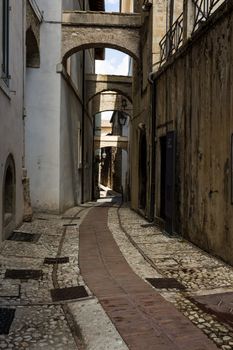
(111,141)
(82,30)
(97,83)
(111,101)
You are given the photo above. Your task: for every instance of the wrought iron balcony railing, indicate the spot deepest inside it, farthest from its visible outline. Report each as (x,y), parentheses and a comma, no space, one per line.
(172,40)
(203,10)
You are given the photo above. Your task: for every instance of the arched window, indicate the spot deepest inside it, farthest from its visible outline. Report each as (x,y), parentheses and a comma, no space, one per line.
(9,191)
(33,53)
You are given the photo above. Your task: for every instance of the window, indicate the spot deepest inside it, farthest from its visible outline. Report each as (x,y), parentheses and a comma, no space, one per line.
(5,40)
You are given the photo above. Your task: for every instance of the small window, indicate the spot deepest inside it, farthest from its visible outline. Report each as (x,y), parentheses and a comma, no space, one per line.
(5,41)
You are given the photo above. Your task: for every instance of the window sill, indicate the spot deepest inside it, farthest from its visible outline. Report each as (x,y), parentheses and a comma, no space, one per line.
(5,88)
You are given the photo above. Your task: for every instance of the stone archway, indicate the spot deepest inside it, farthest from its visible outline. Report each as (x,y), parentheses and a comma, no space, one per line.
(110,101)
(97,83)
(111,141)
(83,30)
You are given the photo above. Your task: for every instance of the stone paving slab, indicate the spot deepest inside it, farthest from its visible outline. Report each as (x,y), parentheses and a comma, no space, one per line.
(125,296)
(97,329)
(220,304)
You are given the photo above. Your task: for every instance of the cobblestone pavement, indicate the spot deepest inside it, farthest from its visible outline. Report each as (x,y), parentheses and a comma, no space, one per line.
(208,298)
(39,322)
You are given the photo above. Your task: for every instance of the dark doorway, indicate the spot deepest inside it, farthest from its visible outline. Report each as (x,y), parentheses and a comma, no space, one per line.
(142,170)
(106,167)
(9,191)
(162,176)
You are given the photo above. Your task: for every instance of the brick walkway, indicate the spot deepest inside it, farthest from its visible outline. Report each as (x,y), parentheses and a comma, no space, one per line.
(144,319)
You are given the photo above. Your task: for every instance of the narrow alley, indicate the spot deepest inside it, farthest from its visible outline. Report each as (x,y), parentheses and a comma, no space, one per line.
(116,174)
(84,280)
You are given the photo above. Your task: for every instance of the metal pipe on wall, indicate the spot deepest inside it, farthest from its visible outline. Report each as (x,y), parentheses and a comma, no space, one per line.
(83,126)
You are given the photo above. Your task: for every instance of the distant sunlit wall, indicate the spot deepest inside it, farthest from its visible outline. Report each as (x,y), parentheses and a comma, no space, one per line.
(126,6)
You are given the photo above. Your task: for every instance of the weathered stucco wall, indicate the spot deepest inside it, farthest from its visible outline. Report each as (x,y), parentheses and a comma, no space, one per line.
(42,123)
(194,98)
(159,27)
(74,160)
(70,171)
(54,101)
(126,6)
(11,118)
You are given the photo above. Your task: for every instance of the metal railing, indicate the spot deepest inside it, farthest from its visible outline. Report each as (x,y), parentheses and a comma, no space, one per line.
(203,10)
(172,40)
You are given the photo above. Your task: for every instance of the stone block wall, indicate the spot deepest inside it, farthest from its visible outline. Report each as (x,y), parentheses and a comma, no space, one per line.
(194,98)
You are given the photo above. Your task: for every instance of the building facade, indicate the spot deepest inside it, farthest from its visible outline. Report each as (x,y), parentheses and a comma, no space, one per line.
(194,132)
(181,130)
(180,110)
(59,127)
(12,161)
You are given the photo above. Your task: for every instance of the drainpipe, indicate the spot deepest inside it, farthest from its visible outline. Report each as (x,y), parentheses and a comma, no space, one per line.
(93,160)
(153,143)
(83,121)
(27,213)
(83,126)
(24,76)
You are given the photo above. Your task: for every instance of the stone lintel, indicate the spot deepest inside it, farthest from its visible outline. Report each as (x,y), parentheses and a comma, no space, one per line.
(111,141)
(103,19)
(111,138)
(109,78)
